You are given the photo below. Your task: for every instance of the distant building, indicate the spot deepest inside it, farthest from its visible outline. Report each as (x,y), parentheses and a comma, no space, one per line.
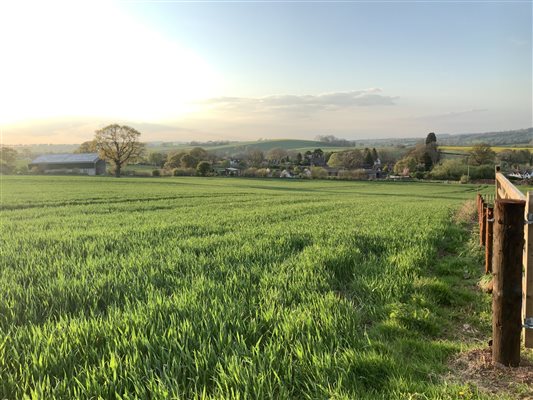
(332,171)
(521,175)
(232,171)
(83,163)
(285,174)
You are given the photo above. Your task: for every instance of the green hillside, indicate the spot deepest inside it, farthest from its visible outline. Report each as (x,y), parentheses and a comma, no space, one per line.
(516,139)
(263,145)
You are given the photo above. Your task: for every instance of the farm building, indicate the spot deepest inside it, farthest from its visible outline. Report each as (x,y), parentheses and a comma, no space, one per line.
(222,171)
(83,163)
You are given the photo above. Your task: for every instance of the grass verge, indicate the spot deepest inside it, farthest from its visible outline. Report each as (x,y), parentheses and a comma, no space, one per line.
(472,367)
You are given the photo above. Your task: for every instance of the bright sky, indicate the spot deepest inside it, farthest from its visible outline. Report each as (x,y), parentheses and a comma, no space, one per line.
(245,70)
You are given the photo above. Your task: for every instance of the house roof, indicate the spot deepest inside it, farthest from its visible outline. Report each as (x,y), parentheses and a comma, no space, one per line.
(66,158)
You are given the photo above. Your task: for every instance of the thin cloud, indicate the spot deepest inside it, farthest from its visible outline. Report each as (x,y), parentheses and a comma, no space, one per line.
(304,103)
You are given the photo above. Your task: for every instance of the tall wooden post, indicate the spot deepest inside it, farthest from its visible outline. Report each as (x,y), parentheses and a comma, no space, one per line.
(528,272)
(497,185)
(489,239)
(483,225)
(507,282)
(479,200)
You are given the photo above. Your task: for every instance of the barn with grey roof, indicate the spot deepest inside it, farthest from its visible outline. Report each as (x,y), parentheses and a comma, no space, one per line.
(82,163)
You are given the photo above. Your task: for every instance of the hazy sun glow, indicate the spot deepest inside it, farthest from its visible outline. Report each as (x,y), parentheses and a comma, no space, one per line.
(69,58)
(239,70)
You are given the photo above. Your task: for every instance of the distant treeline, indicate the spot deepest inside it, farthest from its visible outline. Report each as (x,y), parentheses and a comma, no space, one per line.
(335,141)
(517,137)
(514,137)
(499,138)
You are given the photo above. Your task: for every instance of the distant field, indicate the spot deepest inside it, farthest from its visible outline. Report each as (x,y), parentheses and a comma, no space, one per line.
(139,167)
(233,288)
(497,149)
(307,145)
(288,144)
(264,145)
(324,148)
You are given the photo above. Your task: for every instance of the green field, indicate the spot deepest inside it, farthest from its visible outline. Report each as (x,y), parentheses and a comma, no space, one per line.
(496,149)
(234,288)
(263,145)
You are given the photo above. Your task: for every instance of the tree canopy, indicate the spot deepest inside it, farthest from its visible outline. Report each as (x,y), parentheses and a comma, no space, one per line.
(369,160)
(431,138)
(119,144)
(87,147)
(349,159)
(199,154)
(420,158)
(188,161)
(481,153)
(8,157)
(174,159)
(334,141)
(157,159)
(255,157)
(277,154)
(203,168)
(516,157)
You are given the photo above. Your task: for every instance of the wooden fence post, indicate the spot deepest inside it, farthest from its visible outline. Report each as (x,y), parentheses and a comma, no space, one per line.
(489,240)
(528,272)
(483,225)
(507,281)
(479,200)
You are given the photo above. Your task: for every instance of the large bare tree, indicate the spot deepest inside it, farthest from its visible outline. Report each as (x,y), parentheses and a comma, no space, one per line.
(119,144)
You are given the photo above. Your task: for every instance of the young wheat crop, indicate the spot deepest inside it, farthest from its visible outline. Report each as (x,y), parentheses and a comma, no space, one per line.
(223,288)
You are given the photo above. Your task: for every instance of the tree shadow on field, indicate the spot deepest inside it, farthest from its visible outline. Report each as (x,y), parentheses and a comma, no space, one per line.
(353,258)
(408,316)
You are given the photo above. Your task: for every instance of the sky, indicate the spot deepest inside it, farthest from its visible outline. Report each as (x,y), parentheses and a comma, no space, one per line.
(244,70)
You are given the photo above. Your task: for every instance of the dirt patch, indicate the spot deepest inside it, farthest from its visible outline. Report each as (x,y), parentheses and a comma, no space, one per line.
(475,368)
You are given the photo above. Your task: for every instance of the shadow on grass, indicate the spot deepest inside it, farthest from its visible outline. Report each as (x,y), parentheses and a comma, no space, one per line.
(411,335)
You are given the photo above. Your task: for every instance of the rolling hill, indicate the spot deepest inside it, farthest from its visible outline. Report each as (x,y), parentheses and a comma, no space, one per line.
(263,145)
(521,138)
